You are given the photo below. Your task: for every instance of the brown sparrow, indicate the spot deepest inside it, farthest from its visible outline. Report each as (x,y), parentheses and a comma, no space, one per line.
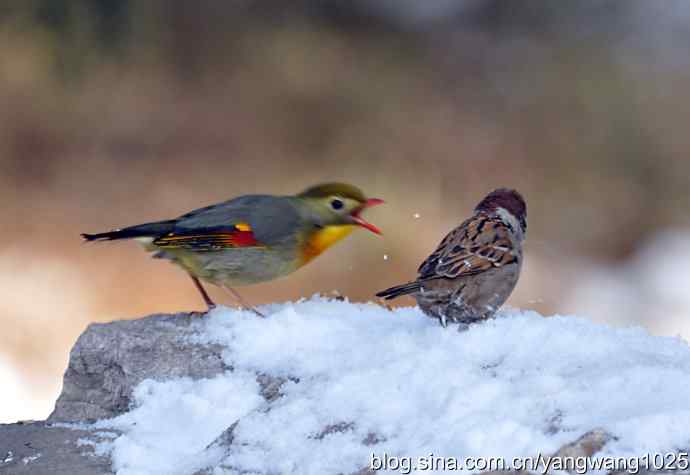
(476,266)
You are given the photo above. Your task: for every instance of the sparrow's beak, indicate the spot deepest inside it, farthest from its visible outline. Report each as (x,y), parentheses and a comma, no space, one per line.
(358,220)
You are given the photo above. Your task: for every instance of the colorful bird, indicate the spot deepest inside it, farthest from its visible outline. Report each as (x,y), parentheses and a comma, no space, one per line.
(252,238)
(475,268)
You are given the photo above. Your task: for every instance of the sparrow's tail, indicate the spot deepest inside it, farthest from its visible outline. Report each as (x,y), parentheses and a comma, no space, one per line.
(398,290)
(141,230)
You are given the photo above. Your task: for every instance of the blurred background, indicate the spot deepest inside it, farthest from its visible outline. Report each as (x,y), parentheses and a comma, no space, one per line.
(119,112)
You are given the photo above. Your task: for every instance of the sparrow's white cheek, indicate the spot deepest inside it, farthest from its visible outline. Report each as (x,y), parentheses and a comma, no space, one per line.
(508,217)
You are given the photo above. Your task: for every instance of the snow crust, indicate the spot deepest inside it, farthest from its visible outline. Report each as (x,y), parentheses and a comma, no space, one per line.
(363,380)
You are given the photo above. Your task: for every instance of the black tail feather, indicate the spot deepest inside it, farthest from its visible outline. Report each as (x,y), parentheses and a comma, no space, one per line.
(109,236)
(142,230)
(398,290)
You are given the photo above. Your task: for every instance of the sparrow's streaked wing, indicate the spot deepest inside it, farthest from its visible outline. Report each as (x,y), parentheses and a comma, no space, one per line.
(479,244)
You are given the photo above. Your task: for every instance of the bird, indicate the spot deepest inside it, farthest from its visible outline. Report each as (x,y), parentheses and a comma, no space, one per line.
(476,266)
(252,238)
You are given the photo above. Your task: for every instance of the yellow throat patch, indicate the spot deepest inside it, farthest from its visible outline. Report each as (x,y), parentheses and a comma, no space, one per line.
(324,238)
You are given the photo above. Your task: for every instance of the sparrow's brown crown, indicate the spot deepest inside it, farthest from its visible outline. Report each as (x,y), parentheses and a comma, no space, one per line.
(505,198)
(509,200)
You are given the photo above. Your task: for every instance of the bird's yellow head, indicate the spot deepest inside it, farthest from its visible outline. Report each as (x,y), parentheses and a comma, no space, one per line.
(334,211)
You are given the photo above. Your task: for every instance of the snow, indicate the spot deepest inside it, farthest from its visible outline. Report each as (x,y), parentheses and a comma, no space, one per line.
(517,385)
(174,422)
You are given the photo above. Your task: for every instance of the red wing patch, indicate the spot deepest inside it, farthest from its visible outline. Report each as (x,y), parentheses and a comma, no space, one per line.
(204,240)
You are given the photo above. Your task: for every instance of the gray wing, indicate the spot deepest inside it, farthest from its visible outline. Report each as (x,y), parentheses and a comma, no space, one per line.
(270,219)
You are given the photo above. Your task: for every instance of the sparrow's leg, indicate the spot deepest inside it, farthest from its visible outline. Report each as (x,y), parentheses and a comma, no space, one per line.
(204,295)
(436,309)
(241,301)
(337,296)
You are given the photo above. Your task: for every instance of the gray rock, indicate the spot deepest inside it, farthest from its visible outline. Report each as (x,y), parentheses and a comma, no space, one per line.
(37,448)
(271,385)
(586,446)
(110,359)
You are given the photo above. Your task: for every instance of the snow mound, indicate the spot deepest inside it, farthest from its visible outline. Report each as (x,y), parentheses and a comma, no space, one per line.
(363,380)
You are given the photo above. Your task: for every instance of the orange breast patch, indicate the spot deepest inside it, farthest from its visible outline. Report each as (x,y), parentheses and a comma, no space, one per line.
(321,240)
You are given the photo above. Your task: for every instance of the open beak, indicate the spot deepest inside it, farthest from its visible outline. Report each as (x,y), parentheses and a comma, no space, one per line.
(359,221)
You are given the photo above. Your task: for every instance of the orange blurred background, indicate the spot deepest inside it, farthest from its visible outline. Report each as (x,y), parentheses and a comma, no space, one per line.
(120,112)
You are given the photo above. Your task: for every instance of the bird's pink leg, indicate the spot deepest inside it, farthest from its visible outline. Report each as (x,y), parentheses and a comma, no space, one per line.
(242,303)
(204,294)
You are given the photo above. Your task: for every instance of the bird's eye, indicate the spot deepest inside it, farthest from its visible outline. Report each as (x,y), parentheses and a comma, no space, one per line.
(337,204)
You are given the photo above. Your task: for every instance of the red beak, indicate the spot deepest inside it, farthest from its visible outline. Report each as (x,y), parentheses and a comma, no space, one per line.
(361,221)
